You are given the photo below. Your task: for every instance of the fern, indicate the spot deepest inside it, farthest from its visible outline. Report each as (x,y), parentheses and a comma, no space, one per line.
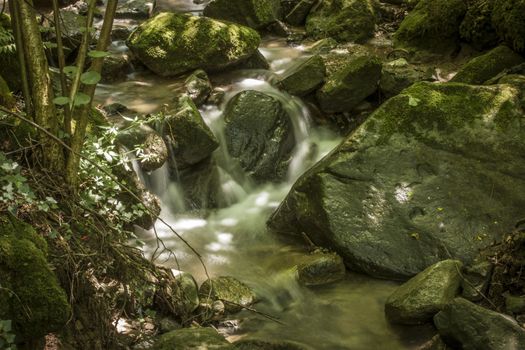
(7,41)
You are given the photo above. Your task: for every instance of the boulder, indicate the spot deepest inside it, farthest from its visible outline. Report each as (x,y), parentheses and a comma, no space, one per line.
(171,43)
(468,326)
(432,25)
(134,9)
(395,196)
(304,76)
(192,338)
(201,185)
(476,278)
(259,134)
(233,293)
(420,298)
(343,20)
(509,22)
(252,13)
(352,79)
(476,28)
(258,344)
(488,65)
(198,86)
(116,67)
(397,75)
(515,304)
(297,15)
(255,61)
(320,268)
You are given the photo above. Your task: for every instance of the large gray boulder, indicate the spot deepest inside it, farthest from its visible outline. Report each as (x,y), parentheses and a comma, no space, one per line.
(252,13)
(467,326)
(259,134)
(172,43)
(435,172)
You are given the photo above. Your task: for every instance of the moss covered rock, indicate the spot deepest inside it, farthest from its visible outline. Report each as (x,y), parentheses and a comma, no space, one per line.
(432,25)
(509,22)
(394,197)
(397,75)
(232,292)
(252,13)
(154,152)
(298,14)
(343,20)
(198,86)
(192,338)
(259,344)
(171,43)
(31,296)
(304,76)
(320,268)
(476,27)
(488,65)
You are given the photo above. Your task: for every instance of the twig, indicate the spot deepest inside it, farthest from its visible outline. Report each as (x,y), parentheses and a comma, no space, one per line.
(270,317)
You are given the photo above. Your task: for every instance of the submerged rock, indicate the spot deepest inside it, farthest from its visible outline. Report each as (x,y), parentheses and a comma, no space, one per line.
(233,293)
(259,134)
(304,77)
(252,13)
(509,22)
(171,43)
(192,338)
(468,326)
(198,86)
(420,298)
(320,268)
(395,196)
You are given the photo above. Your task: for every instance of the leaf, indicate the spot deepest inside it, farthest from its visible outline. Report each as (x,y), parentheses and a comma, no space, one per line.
(81,99)
(98,54)
(90,78)
(61,100)
(70,70)
(413,101)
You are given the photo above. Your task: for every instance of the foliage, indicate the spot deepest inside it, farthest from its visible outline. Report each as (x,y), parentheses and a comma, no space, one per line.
(7,338)
(7,41)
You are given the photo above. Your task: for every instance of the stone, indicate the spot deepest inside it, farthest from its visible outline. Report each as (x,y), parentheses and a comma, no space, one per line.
(476,28)
(393,198)
(134,9)
(484,67)
(198,86)
(397,75)
(255,61)
(192,338)
(342,20)
(116,67)
(252,13)
(420,298)
(467,326)
(172,44)
(304,76)
(259,344)
(297,16)
(233,293)
(476,280)
(320,268)
(509,22)
(259,135)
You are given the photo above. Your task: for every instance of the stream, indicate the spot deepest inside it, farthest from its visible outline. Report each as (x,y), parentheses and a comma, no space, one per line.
(234,240)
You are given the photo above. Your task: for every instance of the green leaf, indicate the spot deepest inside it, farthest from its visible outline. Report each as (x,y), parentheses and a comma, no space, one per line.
(98,54)
(81,99)
(413,101)
(70,70)
(90,78)
(61,100)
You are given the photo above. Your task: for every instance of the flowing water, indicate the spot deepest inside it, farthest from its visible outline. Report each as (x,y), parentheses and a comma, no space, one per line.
(234,240)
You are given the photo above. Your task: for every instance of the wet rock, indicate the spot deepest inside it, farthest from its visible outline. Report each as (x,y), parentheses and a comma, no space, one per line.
(393,197)
(259,134)
(476,280)
(321,268)
(468,326)
(201,185)
(134,9)
(189,293)
(257,344)
(488,65)
(515,304)
(176,294)
(304,77)
(509,22)
(279,28)
(252,13)
(153,150)
(343,20)
(322,46)
(476,27)
(116,68)
(233,293)
(255,61)
(432,25)
(297,16)
(171,43)
(121,32)
(397,75)
(192,338)
(198,86)
(354,78)
(420,298)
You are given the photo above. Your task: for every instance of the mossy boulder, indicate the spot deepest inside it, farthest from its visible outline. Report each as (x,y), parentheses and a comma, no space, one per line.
(134,9)
(476,27)
(349,81)
(31,296)
(252,13)
(198,86)
(420,298)
(393,198)
(259,134)
(304,76)
(476,279)
(192,338)
(233,293)
(343,20)
(509,22)
(320,267)
(488,65)
(465,325)
(259,344)
(171,43)
(397,75)
(432,26)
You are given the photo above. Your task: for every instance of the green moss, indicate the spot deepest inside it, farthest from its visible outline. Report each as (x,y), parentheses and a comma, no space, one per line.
(192,338)
(487,66)
(508,18)
(305,77)
(476,27)
(252,13)
(432,25)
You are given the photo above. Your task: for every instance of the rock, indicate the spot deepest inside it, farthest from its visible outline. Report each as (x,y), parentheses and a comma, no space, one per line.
(116,67)
(488,65)
(304,76)
(153,150)
(432,25)
(515,304)
(255,61)
(356,78)
(120,32)
(297,16)
(167,324)
(6,97)
(476,280)
(252,13)
(233,293)
(343,20)
(198,86)
(176,295)
(188,137)
(322,46)
(192,338)
(468,326)
(279,28)
(259,134)
(509,22)
(134,9)
(420,298)
(201,185)
(288,5)
(436,343)
(476,27)
(394,196)
(397,75)
(189,292)
(171,43)
(259,344)
(321,268)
